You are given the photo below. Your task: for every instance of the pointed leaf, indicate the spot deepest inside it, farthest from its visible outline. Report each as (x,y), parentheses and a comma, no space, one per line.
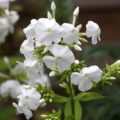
(87,96)
(78,111)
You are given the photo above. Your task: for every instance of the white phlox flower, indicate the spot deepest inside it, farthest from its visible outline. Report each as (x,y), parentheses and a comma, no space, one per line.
(86,77)
(28,46)
(12,17)
(9,88)
(37,76)
(7,24)
(27,49)
(70,33)
(48,31)
(28,101)
(93,30)
(62,57)
(30,31)
(18,68)
(4,29)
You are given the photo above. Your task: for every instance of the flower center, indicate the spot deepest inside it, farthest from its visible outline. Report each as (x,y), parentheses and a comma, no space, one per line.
(49,29)
(27,97)
(73,30)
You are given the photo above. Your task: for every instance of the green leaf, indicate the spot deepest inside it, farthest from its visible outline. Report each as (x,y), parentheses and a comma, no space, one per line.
(87,96)
(60,99)
(7,112)
(12,61)
(68,111)
(78,111)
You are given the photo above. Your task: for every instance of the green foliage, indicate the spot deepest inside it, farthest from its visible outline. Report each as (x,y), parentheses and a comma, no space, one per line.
(106,109)
(52,116)
(12,62)
(78,111)
(59,99)
(111,72)
(68,111)
(88,96)
(2,12)
(7,112)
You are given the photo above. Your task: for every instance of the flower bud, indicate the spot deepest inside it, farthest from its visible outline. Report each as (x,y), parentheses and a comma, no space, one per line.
(53,6)
(78,48)
(76,62)
(6,60)
(51,74)
(76,11)
(49,15)
(79,43)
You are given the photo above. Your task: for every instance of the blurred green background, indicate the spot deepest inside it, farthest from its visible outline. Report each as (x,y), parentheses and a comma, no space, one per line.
(106,14)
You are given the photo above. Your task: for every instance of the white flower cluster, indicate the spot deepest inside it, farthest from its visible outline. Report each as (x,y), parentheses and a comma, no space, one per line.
(50,44)
(56,40)
(10,88)
(7,20)
(28,100)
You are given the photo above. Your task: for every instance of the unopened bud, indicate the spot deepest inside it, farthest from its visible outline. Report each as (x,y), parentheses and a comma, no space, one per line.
(76,11)
(112,78)
(79,43)
(53,6)
(6,60)
(51,74)
(49,15)
(76,62)
(78,48)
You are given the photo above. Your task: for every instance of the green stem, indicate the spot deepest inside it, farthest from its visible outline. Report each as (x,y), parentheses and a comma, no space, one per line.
(71,93)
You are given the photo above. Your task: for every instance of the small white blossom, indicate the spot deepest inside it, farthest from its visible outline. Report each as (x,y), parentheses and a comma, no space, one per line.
(37,76)
(6,24)
(28,45)
(27,49)
(70,33)
(86,77)
(93,30)
(4,29)
(13,17)
(62,57)
(29,30)
(48,31)
(28,100)
(9,88)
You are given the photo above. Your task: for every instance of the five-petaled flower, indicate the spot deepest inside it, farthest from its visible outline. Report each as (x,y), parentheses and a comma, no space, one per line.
(86,77)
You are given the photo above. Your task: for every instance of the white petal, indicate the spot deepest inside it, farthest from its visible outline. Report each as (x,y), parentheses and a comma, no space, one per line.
(70,33)
(63,65)
(76,78)
(85,85)
(93,73)
(50,61)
